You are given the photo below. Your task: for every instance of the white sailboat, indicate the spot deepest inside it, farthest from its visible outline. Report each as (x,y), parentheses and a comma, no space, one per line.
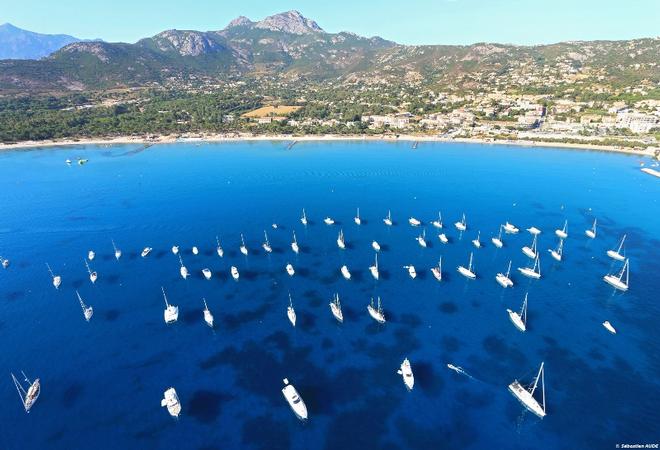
(510,228)
(329,221)
(532,272)
(414,222)
(170,400)
(290,312)
(407,374)
(563,233)
(616,254)
(234,273)
(207,273)
(443,238)
(146,251)
(608,326)
(243,248)
(617,281)
(208,317)
(289,270)
(437,271)
(421,239)
(294,400)
(559,251)
(504,278)
(462,225)
(117,251)
(340,240)
(533,231)
(335,307)
(591,233)
(519,319)
(357,219)
(93,276)
(171,313)
(388,220)
(411,271)
(345,272)
(531,251)
(195,250)
(374,269)
(57,280)
(438,223)
(30,395)
(526,394)
(477,242)
(303,219)
(376,246)
(5,262)
(468,272)
(266,244)
(497,241)
(88,311)
(175,249)
(183,270)
(294,244)
(218,248)
(91,255)
(376,312)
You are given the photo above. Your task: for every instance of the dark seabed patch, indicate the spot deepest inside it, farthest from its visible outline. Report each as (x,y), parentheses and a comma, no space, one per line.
(205,406)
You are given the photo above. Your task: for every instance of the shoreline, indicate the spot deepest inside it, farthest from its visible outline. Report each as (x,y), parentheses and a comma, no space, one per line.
(169,139)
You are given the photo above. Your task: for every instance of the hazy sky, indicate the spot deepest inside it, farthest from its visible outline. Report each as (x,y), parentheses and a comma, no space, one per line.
(404,21)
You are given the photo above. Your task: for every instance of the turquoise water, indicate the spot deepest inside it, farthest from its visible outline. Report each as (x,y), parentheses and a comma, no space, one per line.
(102,381)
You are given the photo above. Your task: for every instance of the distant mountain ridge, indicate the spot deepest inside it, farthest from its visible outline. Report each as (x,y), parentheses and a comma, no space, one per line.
(16,43)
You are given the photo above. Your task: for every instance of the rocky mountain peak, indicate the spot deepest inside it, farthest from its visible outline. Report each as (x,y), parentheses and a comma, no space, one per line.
(289,22)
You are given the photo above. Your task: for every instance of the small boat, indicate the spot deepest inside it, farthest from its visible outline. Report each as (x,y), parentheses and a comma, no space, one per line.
(462,225)
(171,402)
(5,262)
(532,272)
(376,312)
(117,251)
(219,249)
(437,271)
(526,394)
(533,231)
(357,219)
(335,307)
(208,317)
(519,319)
(559,251)
(88,311)
(289,270)
(183,270)
(57,280)
(82,161)
(531,250)
(234,273)
(497,241)
(175,249)
(608,326)
(195,251)
(146,251)
(93,276)
(345,272)
(438,223)
(266,244)
(414,222)
(274,226)
(406,373)
(171,313)
(376,246)
(374,269)
(294,244)
(469,271)
(421,239)
(443,238)
(340,240)
(592,232)
(477,242)
(411,271)
(207,273)
(616,254)
(290,312)
(617,281)
(329,221)
(295,401)
(243,248)
(563,233)
(388,220)
(303,219)
(503,278)
(30,395)
(509,228)
(91,255)
(68,161)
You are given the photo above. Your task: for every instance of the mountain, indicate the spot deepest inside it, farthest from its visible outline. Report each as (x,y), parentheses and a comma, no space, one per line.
(16,43)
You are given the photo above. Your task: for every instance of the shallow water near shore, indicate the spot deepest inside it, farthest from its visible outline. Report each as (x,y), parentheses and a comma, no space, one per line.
(102,381)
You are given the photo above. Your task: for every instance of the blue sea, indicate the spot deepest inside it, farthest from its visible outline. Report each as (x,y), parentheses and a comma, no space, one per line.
(102,381)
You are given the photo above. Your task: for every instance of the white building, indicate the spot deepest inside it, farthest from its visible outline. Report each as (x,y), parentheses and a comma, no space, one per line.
(636,122)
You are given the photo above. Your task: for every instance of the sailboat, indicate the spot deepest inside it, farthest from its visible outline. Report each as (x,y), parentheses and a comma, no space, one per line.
(294,400)
(208,317)
(340,240)
(345,272)
(183,270)
(117,251)
(91,255)
(618,280)
(497,241)
(289,270)
(171,313)
(290,312)
(437,271)
(57,280)
(526,394)
(414,222)
(558,253)
(294,244)
(195,250)
(175,249)
(443,238)
(29,396)
(219,249)
(504,279)
(388,220)
(438,223)
(329,221)
(266,244)
(357,219)
(374,269)
(5,262)
(406,373)
(462,225)
(411,271)
(207,273)
(234,273)
(303,219)
(532,272)
(93,276)
(608,326)
(335,307)
(510,228)
(519,319)
(533,231)
(477,242)
(376,312)
(616,254)
(468,272)
(243,248)
(171,401)
(376,246)
(146,251)
(592,232)
(531,250)
(421,239)
(563,233)
(88,311)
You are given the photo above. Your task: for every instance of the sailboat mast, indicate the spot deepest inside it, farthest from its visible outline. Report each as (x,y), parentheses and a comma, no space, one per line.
(508,271)
(164,296)
(470,264)
(543,385)
(623,239)
(523,313)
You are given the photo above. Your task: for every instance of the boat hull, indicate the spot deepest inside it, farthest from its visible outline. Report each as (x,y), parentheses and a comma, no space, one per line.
(466,273)
(526,399)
